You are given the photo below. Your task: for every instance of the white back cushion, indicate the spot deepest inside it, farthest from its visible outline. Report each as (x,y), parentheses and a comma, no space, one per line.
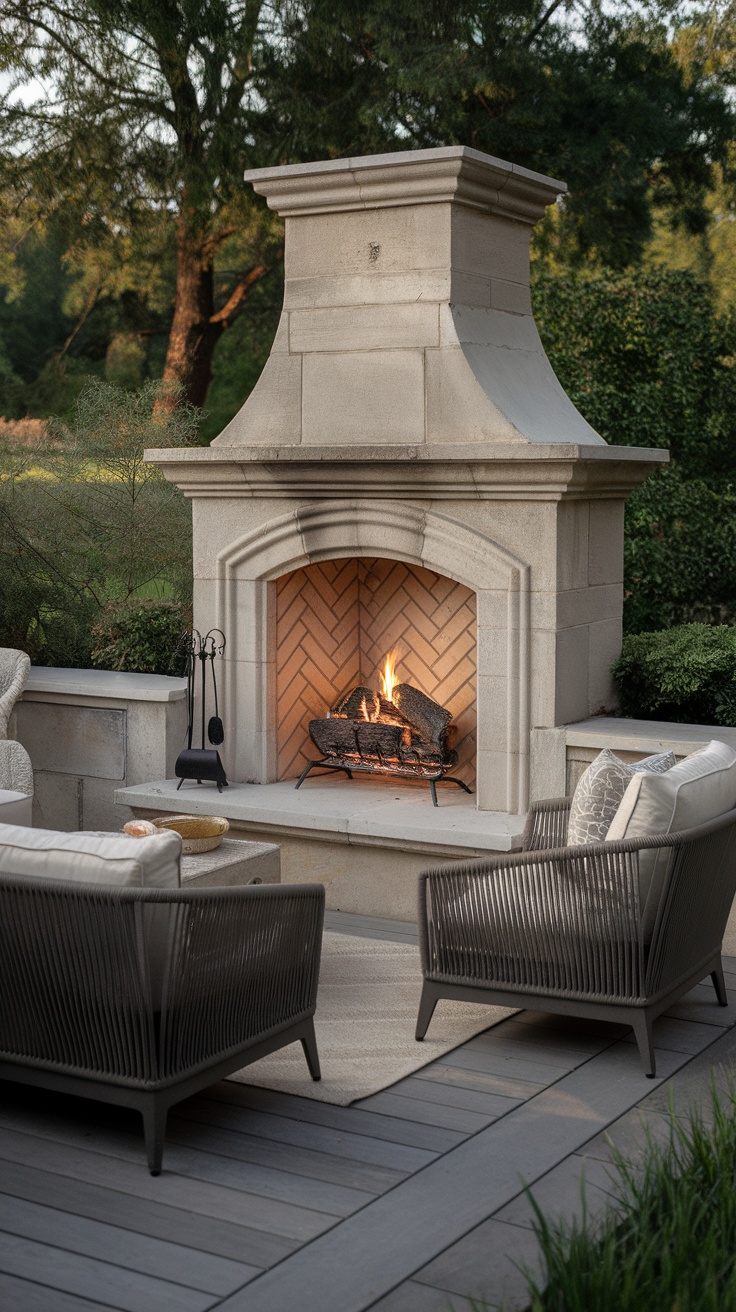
(600,790)
(90,858)
(699,788)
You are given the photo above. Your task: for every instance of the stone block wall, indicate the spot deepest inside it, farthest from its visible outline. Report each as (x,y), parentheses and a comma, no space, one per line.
(89,732)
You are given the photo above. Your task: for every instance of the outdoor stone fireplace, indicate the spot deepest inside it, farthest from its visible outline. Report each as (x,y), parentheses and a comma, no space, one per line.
(408,475)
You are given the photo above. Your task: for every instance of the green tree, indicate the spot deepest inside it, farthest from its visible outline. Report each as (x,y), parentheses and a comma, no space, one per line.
(594,94)
(144,120)
(136,121)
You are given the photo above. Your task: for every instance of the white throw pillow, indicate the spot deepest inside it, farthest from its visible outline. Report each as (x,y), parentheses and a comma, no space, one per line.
(600,790)
(92,859)
(699,788)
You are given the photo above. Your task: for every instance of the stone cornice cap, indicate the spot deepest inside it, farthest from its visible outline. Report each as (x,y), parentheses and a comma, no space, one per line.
(408,177)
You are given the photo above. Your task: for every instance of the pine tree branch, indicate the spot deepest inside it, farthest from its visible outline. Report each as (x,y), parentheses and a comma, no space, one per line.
(236,297)
(538,27)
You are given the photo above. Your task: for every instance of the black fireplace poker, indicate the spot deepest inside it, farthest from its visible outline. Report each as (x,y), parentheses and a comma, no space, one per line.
(201,763)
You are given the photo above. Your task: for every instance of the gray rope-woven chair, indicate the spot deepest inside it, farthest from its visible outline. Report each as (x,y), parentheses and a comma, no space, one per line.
(15,666)
(559,928)
(16,771)
(142,997)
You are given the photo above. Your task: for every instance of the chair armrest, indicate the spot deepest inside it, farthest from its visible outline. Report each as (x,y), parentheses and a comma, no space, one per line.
(546,824)
(244,963)
(565,921)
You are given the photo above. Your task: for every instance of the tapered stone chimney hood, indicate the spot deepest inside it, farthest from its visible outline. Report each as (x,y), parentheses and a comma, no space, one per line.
(407,316)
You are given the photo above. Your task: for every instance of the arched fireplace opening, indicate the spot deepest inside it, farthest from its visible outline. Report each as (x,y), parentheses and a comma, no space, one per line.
(337,621)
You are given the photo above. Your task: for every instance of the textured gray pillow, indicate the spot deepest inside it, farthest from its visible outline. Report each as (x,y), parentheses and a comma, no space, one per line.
(600,790)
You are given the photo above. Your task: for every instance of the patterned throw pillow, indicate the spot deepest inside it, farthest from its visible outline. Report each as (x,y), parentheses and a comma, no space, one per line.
(600,790)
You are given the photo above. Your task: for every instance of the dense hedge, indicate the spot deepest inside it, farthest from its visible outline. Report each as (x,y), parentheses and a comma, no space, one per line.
(650,362)
(140,636)
(686,674)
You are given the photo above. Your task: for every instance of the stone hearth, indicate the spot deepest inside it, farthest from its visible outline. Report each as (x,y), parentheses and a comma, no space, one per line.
(408,429)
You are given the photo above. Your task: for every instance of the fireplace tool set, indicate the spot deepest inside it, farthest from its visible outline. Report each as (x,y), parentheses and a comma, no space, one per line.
(202,763)
(399,732)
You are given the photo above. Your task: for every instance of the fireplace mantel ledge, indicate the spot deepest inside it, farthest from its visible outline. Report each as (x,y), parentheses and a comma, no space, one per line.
(368,813)
(470,470)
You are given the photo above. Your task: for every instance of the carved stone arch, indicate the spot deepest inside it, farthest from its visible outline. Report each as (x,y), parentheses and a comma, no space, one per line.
(318,531)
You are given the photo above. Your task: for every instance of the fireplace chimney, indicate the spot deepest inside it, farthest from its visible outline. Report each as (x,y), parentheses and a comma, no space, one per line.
(407,315)
(407,415)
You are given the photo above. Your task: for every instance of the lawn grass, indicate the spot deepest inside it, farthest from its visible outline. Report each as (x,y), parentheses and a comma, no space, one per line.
(668,1244)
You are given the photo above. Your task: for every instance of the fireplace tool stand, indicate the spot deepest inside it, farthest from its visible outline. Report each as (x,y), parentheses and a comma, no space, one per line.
(432,779)
(202,763)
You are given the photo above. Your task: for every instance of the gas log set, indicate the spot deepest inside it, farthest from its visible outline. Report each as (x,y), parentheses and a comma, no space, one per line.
(398,731)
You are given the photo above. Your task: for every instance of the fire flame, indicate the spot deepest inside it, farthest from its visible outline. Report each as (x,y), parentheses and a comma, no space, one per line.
(387,676)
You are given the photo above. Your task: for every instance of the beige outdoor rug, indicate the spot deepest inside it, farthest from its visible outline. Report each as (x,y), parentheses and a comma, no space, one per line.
(366,1014)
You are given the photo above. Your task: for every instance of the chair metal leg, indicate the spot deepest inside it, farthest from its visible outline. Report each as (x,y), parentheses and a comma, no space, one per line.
(154,1130)
(642,1027)
(719,984)
(427,1004)
(309,1044)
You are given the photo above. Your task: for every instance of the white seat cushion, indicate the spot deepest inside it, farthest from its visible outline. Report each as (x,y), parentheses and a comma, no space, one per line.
(699,788)
(600,790)
(92,859)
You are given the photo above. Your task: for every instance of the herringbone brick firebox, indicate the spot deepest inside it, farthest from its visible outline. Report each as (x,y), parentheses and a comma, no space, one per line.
(336,623)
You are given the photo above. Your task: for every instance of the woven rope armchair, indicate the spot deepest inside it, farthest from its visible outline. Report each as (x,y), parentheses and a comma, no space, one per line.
(560,928)
(141,997)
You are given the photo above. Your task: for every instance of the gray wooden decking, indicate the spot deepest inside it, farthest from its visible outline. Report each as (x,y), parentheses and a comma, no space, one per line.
(409,1201)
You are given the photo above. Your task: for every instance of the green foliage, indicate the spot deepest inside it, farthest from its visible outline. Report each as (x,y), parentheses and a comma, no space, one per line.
(141,636)
(648,361)
(126,127)
(678,552)
(686,674)
(669,1240)
(87,521)
(595,95)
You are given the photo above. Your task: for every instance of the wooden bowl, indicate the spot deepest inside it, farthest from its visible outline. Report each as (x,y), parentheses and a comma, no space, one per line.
(199,833)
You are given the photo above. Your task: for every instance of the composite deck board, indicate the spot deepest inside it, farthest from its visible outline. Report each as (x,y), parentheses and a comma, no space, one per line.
(365,1256)
(293,1221)
(372,927)
(281,1184)
(195,1232)
(453,1094)
(557,1059)
(341,1143)
(489,1062)
(336,1118)
(414,1109)
(192,1195)
(135,1252)
(87,1277)
(298,1161)
(541,1042)
(679,1035)
(513,1090)
(27,1296)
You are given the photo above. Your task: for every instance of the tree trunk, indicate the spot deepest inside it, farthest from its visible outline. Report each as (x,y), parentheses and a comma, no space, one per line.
(193,335)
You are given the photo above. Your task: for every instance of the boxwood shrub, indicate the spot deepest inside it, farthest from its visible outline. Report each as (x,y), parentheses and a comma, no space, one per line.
(140,636)
(686,673)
